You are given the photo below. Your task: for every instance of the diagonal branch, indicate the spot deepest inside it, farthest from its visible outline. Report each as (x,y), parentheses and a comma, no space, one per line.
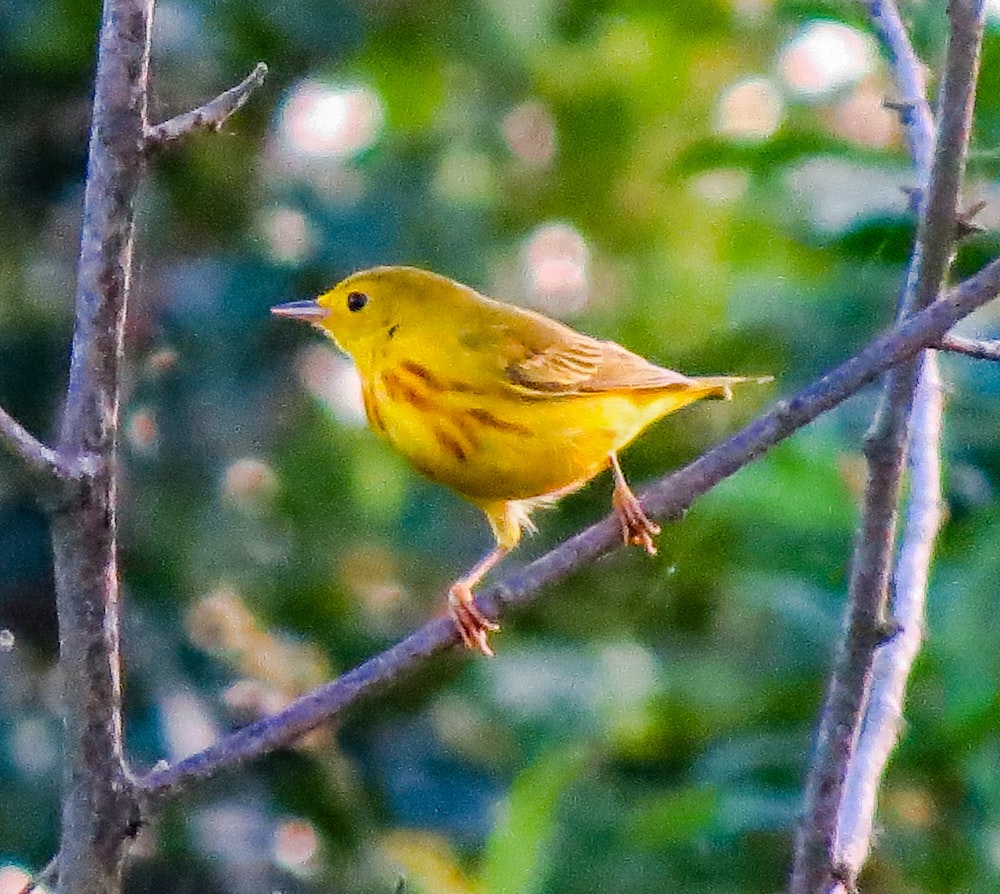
(211,116)
(667,498)
(817,864)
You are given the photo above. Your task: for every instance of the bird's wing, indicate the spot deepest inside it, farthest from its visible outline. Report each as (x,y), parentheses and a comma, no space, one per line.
(554,359)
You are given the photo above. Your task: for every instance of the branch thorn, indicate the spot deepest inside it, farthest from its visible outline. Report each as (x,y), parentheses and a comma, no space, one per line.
(914,196)
(965,224)
(887,630)
(902,107)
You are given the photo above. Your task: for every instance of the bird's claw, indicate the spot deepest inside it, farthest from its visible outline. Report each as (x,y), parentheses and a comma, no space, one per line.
(637,528)
(473,626)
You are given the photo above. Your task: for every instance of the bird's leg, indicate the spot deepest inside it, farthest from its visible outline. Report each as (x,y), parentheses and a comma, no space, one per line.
(473,626)
(637,529)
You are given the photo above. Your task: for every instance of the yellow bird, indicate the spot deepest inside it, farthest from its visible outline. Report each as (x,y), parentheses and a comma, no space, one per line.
(510,409)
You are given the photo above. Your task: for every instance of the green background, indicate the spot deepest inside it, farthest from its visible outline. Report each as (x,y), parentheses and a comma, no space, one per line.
(647,723)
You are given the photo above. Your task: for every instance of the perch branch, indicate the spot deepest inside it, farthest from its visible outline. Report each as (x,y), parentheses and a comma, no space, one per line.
(211,116)
(665,499)
(817,866)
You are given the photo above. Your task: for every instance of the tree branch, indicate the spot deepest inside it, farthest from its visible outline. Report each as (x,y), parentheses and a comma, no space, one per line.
(884,712)
(211,116)
(98,799)
(908,73)
(971,347)
(665,499)
(816,866)
(42,463)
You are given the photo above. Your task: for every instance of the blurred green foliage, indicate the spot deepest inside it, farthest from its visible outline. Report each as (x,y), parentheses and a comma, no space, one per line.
(646,724)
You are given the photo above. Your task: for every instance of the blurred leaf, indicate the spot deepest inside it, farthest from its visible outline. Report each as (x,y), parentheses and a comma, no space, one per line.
(674,817)
(517,851)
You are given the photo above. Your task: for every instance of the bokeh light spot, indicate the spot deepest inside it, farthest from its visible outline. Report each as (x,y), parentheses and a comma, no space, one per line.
(721,186)
(863,119)
(556,261)
(334,381)
(160,361)
(288,235)
(141,431)
(836,193)
(186,724)
(824,57)
(530,133)
(465,177)
(13,880)
(750,109)
(249,482)
(34,748)
(370,573)
(330,120)
(295,846)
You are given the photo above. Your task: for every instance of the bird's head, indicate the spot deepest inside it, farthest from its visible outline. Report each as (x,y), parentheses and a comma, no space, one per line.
(368,306)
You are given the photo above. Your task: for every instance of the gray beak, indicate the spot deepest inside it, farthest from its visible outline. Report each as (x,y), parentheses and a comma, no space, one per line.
(309,311)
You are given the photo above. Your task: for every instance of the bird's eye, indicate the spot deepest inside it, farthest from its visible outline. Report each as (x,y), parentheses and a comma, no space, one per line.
(356,300)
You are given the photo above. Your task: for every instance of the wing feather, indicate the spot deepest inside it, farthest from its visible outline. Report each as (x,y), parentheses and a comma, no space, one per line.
(561,361)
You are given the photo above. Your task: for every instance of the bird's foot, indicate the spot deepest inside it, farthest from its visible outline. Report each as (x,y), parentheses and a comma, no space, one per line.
(473,626)
(637,528)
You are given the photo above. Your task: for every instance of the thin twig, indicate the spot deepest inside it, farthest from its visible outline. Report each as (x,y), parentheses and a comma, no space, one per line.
(981,349)
(816,867)
(908,73)
(665,499)
(939,221)
(41,462)
(211,116)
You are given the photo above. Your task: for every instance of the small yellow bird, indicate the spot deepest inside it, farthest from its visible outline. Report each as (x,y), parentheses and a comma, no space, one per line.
(508,408)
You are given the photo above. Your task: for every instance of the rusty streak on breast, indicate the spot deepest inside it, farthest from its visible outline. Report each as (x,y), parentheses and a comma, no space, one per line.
(485,417)
(450,444)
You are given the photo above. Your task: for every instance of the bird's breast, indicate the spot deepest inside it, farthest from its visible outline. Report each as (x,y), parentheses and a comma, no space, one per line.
(492,443)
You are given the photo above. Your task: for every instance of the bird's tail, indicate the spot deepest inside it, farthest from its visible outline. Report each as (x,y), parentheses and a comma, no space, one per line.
(721,387)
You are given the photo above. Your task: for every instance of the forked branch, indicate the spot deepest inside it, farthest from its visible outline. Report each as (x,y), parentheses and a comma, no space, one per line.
(818,865)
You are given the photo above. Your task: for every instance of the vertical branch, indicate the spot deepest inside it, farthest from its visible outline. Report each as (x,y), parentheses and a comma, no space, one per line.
(908,73)
(98,801)
(893,661)
(883,716)
(817,864)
